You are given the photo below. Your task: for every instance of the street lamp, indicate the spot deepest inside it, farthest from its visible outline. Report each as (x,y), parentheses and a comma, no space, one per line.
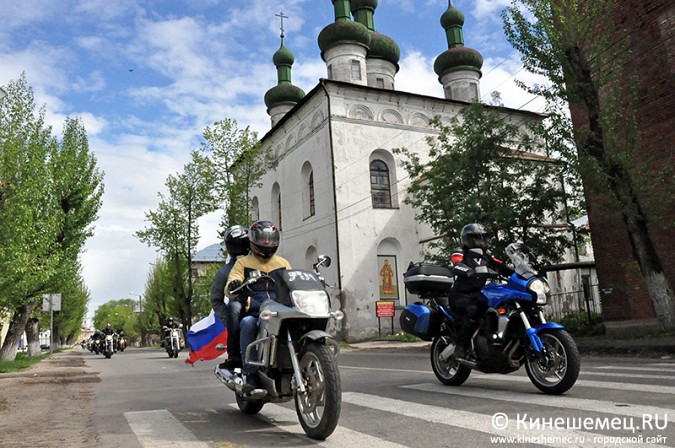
(140,301)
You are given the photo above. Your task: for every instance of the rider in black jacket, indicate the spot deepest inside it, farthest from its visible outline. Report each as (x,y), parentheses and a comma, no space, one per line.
(237,245)
(464,296)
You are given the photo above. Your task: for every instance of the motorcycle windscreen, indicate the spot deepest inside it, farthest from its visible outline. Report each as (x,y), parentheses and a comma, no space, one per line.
(290,280)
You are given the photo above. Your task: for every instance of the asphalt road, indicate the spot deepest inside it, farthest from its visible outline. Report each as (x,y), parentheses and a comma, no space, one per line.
(390,399)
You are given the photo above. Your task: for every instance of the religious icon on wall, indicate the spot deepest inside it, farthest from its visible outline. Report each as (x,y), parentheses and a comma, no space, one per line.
(386,265)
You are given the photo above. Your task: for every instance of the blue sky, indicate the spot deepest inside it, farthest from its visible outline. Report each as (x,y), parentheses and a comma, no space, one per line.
(147,76)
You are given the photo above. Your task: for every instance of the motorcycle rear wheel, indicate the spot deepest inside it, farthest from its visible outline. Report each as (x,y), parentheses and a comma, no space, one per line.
(448,372)
(319,408)
(249,407)
(559,370)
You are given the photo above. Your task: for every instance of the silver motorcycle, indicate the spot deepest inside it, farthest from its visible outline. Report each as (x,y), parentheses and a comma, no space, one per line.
(296,356)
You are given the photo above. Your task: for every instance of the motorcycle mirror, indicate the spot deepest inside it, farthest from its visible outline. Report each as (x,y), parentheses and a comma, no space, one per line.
(324,260)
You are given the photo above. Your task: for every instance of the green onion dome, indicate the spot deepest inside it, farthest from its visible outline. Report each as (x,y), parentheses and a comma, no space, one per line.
(452,17)
(384,47)
(343,31)
(283,56)
(283,93)
(458,58)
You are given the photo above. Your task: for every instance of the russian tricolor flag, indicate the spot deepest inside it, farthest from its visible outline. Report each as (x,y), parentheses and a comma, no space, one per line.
(203,338)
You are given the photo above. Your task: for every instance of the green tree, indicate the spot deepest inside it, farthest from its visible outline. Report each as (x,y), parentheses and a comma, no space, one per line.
(50,196)
(159,303)
(174,229)
(234,163)
(120,314)
(482,168)
(577,46)
(29,259)
(68,322)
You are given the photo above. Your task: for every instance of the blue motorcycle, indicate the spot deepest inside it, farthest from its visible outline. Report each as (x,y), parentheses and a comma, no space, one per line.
(512,332)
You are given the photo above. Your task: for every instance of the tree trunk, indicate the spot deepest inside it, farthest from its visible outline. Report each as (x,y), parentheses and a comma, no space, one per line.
(16,329)
(585,94)
(33,336)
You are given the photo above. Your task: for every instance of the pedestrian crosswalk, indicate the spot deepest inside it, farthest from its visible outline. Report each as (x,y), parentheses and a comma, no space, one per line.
(489,410)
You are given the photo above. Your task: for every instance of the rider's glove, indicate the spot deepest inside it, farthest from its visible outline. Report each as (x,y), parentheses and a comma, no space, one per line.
(234,284)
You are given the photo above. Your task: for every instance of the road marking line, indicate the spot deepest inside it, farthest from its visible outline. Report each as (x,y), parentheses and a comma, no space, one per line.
(160,428)
(587,383)
(524,379)
(286,420)
(466,420)
(556,401)
(641,369)
(629,375)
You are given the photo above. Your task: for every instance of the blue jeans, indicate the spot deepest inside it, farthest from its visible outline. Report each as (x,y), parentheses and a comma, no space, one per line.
(249,329)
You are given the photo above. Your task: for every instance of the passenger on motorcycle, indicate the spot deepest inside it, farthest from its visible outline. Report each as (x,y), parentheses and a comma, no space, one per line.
(237,245)
(466,288)
(264,241)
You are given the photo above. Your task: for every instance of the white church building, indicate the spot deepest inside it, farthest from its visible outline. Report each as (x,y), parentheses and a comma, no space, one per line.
(335,186)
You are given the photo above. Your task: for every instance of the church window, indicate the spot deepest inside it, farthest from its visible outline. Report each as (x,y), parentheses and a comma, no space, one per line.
(255,209)
(380,188)
(276,205)
(310,188)
(380,83)
(330,72)
(356,70)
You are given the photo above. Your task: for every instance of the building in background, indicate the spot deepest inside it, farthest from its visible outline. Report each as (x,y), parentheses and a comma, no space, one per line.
(336,187)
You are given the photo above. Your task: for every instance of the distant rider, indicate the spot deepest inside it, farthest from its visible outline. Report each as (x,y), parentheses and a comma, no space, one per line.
(465,290)
(264,242)
(237,245)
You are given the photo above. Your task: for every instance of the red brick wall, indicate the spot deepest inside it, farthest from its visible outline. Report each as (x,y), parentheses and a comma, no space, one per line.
(624,296)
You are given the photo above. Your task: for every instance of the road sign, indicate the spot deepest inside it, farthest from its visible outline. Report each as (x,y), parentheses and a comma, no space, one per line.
(51,302)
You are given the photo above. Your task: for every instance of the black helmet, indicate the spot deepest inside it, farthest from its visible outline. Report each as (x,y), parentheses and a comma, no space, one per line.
(108,326)
(264,238)
(236,241)
(474,235)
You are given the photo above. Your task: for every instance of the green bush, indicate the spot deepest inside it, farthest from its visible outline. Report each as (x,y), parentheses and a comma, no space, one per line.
(578,324)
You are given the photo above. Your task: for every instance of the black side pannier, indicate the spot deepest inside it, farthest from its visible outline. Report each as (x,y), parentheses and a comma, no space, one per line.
(420,320)
(286,281)
(426,278)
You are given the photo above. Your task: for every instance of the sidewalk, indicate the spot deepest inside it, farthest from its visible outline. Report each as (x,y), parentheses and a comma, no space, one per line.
(648,347)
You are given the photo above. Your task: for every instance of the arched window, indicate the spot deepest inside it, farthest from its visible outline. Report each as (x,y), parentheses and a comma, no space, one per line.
(310,187)
(255,209)
(380,188)
(308,200)
(276,205)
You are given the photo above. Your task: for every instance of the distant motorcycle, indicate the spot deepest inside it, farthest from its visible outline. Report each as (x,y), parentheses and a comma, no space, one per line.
(512,332)
(296,356)
(121,343)
(108,348)
(172,342)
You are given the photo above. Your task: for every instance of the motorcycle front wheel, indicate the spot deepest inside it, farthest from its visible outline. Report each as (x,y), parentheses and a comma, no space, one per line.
(319,407)
(558,369)
(449,371)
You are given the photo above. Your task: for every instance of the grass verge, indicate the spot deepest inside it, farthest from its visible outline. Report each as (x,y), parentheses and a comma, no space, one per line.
(21,362)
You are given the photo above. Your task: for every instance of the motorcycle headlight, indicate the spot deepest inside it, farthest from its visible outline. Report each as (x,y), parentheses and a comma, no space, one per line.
(541,289)
(311,302)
